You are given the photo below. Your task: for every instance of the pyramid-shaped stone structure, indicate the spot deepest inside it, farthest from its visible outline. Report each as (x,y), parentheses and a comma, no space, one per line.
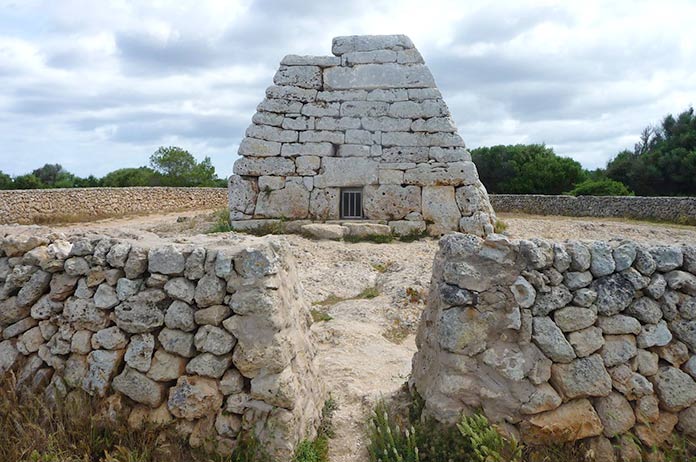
(361,135)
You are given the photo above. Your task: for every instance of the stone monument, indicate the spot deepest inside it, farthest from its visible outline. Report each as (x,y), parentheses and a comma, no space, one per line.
(361,135)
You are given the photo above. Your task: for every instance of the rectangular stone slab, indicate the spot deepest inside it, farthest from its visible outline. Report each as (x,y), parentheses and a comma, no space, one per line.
(374,76)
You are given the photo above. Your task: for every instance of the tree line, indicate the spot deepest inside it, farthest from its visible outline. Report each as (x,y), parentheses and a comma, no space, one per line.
(662,163)
(169,166)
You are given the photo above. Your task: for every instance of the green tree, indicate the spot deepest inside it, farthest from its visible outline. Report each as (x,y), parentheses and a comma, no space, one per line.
(526,169)
(89,182)
(141,176)
(5,181)
(601,187)
(177,167)
(28,181)
(54,176)
(663,162)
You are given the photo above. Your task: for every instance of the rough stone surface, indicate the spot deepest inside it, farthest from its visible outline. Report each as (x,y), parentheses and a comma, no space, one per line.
(370,119)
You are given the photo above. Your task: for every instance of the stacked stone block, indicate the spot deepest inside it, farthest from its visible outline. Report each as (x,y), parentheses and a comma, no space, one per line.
(562,341)
(372,117)
(213,338)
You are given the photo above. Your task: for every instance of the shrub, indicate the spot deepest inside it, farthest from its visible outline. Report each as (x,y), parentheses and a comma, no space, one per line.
(601,187)
(499,226)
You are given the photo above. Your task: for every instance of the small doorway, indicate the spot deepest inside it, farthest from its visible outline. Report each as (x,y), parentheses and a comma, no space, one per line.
(351,203)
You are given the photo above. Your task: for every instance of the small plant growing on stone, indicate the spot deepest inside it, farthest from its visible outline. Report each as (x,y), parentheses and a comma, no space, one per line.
(487,444)
(382,267)
(222,222)
(414,295)
(368,293)
(319,315)
(499,226)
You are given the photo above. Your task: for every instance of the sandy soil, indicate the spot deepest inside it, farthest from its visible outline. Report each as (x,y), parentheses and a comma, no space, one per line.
(365,349)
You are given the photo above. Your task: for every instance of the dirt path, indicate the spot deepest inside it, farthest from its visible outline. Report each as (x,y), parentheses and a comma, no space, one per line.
(365,348)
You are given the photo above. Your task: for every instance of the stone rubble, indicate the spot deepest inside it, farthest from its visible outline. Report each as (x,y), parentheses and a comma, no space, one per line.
(621,349)
(170,331)
(369,117)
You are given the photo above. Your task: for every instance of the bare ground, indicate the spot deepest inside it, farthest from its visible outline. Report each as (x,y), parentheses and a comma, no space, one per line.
(365,349)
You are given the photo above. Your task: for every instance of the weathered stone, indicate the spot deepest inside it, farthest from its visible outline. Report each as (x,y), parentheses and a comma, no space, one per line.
(209,365)
(618,349)
(586,341)
(76,266)
(679,280)
(139,353)
(577,279)
(646,362)
(139,388)
(579,254)
(675,353)
(45,308)
(291,202)
(463,330)
(166,367)
(299,76)
(602,263)
(228,425)
(645,310)
(81,342)
(654,335)
(574,420)
(136,264)
(213,315)
(391,202)
(83,314)
(624,255)
(647,409)
(111,338)
(581,378)
(105,297)
(551,340)
(231,382)
(616,414)
(180,316)
(572,318)
(8,356)
(676,389)
(657,286)
(176,341)
(214,340)
(614,294)
(194,397)
(524,292)
(34,288)
(118,254)
(687,421)
(210,290)
(656,433)
(102,365)
(619,324)
(30,341)
(276,389)
(144,312)
(667,258)
(324,231)
(180,289)
(556,298)
(544,398)
(166,260)
(631,384)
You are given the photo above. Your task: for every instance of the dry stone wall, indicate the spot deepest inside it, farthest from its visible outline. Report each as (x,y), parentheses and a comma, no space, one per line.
(674,209)
(370,117)
(562,341)
(213,338)
(51,205)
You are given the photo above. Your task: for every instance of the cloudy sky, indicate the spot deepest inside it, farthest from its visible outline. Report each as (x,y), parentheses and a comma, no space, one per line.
(99,85)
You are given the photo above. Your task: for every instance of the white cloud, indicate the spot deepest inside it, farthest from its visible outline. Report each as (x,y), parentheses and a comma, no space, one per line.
(99,88)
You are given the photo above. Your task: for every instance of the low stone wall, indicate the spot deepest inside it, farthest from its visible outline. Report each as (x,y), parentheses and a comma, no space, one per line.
(54,205)
(214,337)
(674,209)
(562,341)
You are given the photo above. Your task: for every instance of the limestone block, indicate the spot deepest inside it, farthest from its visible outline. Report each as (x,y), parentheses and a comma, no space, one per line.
(367,229)
(298,123)
(342,95)
(362,137)
(290,202)
(259,148)
(337,123)
(472,198)
(364,109)
(583,377)
(264,166)
(324,231)
(388,95)
(346,172)
(307,149)
(390,202)
(324,204)
(299,76)
(385,124)
(390,177)
(316,136)
(280,106)
(291,93)
(439,207)
(353,150)
(321,109)
(352,43)
(321,61)
(271,182)
(139,387)
(307,165)
(194,397)
(374,76)
(616,414)
(267,118)
(454,174)
(574,420)
(368,57)
(269,133)
(166,367)
(404,228)
(420,110)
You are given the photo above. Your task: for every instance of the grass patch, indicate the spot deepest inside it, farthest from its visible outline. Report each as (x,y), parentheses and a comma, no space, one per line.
(397,333)
(383,267)
(319,316)
(332,299)
(414,236)
(318,450)
(222,222)
(414,295)
(368,293)
(374,238)
(499,226)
